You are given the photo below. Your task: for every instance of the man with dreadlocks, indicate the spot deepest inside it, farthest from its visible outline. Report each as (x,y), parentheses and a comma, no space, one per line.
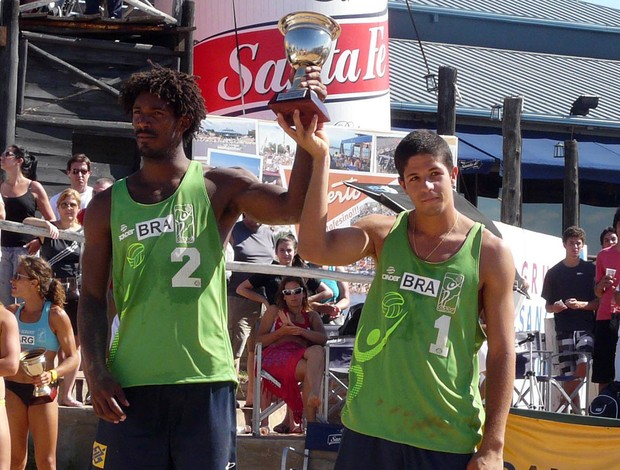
(166,396)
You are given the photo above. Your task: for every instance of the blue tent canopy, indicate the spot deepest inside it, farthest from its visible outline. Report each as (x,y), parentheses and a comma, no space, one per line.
(598,161)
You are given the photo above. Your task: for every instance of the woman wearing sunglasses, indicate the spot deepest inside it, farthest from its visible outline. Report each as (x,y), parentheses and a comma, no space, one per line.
(42,324)
(293,337)
(23,196)
(64,258)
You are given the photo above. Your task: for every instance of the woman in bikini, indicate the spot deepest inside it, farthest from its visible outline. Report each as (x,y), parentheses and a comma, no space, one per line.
(64,258)
(293,337)
(9,364)
(42,324)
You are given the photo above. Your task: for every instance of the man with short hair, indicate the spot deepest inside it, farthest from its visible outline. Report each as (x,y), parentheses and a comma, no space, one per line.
(166,394)
(413,399)
(568,290)
(78,171)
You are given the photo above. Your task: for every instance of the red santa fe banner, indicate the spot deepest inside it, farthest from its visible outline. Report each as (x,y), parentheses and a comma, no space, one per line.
(240,58)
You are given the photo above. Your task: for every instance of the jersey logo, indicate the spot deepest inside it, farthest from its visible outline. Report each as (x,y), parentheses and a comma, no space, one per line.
(184,224)
(369,344)
(26,339)
(420,284)
(389,275)
(450,294)
(99,451)
(135,255)
(154,227)
(125,233)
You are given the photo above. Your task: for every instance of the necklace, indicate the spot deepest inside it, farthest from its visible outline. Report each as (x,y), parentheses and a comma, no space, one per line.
(443,237)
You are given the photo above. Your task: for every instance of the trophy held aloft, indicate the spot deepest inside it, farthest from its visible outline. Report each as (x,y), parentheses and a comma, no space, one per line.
(308,40)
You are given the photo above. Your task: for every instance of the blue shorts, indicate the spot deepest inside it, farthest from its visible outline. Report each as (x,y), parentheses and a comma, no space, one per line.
(360,452)
(180,427)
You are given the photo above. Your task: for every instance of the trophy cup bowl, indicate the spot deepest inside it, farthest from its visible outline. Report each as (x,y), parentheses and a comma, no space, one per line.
(308,39)
(33,364)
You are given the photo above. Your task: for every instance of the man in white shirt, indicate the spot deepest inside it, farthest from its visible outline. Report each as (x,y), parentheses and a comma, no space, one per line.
(78,171)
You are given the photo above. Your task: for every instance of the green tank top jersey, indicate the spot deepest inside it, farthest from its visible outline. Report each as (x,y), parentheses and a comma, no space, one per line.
(170,288)
(414,374)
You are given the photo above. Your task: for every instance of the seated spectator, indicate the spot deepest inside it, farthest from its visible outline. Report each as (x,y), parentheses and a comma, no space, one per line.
(42,324)
(22,196)
(9,364)
(251,288)
(293,337)
(64,258)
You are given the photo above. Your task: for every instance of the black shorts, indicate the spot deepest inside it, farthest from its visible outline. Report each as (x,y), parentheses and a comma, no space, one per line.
(360,452)
(605,339)
(184,427)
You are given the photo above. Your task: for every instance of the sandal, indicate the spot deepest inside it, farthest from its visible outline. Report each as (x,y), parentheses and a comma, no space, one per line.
(282,428)
(264,431)
(299,429)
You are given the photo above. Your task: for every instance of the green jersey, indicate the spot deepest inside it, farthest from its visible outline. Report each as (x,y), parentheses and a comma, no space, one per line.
(169,286)
(414,373)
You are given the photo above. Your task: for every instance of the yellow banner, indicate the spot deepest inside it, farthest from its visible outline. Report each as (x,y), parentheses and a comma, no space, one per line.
(539,441)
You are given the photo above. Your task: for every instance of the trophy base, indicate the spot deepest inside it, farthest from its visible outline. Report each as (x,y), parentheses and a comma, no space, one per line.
(305,100)
(42,391)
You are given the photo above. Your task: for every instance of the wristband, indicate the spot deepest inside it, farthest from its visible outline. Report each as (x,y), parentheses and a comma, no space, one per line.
(54,375)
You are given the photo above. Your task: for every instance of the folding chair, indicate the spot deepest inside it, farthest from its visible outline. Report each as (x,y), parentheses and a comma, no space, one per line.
(321,438)
(530,374)
(337,366)
(258,414)
(558,399)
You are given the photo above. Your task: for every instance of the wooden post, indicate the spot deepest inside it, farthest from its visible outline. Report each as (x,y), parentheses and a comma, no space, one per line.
(570,208)
(511,208)
(9,59)
(446,101)
(187,20)
(177,7)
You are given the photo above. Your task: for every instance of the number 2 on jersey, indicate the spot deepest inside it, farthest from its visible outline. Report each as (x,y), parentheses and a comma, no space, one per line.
(183,276)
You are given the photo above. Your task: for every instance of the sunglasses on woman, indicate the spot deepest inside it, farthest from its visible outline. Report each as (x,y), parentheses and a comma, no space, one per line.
(297,290)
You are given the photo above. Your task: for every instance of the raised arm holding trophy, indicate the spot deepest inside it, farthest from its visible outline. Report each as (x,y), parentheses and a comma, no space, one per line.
(308,39)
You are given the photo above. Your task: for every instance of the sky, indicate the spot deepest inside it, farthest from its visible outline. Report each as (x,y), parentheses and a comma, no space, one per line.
(606,3)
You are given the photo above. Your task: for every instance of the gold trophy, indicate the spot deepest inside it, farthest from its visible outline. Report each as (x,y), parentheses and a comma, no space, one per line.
(33,364)
(308,40)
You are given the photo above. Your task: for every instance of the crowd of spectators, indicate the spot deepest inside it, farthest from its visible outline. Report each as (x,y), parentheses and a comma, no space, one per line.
(45,273)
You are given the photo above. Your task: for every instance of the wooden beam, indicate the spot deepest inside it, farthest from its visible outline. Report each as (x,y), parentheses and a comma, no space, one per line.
(85,76)
(94,44)
(72,123)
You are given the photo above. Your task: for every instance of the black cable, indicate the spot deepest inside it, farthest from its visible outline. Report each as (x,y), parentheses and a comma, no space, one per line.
(417,35)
